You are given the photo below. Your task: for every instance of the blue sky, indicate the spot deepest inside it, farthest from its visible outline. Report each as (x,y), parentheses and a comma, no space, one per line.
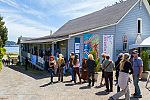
(35,18)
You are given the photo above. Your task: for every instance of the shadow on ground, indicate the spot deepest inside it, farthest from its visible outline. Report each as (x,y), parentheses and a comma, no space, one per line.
(47,84)
(102,93)
(36,74)
(44,85)
(100,86)
(67,81)
(71,84)
(132,98)
(85,87)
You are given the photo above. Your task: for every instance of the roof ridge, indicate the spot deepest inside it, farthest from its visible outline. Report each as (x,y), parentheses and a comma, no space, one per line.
(116,4)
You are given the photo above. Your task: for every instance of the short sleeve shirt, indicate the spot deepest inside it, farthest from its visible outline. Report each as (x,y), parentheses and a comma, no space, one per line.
(136,65)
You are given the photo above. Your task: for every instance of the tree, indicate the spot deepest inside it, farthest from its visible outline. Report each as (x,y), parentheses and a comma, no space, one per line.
(145,58)
(3,32)
(148,1)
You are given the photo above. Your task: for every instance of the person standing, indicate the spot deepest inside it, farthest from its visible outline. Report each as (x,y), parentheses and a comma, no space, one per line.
(26,61)
(56,67)
(137,73)
(76,65)
(108,67)
(52,64)
(123,79)
(91,64)
(71,65)
(61,64)
(103,76)
(84,70)
(117,67)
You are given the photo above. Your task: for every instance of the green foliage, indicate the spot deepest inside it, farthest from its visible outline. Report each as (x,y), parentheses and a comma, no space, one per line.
(3,32)
(0,64)
(148,1)
(97,60)
(145,58)
(2,53)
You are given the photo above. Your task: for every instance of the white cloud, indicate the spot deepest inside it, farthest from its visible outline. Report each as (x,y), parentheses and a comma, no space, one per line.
(11,3)
(15,30)
(85,7)
(18,25)
(27,20)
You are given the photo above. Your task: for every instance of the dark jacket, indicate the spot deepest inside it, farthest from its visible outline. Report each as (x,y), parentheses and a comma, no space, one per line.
(117,67)
(127,68)
(91,64)
(71,62)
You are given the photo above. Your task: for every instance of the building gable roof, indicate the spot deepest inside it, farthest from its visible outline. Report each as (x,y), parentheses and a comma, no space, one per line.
(105,17)
(97,20)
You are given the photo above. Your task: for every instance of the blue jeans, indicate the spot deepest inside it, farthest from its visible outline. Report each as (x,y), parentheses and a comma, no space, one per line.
(71,72)
(51,71)
(136,85)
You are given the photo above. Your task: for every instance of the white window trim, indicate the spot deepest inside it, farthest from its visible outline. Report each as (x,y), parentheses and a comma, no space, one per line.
(141,25)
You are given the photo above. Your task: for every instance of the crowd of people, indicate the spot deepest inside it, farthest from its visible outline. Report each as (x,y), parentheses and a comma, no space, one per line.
(8,61)
(124,67)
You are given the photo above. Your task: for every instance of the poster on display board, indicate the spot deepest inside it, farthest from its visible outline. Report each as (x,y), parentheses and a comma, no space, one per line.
(33,59)
(108,45)
(77,46)
(91,43)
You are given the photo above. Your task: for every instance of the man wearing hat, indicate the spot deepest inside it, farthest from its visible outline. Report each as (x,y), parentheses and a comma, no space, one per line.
(137,73)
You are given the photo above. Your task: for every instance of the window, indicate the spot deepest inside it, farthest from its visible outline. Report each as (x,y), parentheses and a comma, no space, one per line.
(125,42)
(139,25)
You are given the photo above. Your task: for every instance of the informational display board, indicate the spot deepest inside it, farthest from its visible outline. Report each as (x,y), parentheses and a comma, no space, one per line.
(108,45)
(77,46)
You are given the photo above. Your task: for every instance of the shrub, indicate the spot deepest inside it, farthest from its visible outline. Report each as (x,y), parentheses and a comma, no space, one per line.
(2,53)
(145,58)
